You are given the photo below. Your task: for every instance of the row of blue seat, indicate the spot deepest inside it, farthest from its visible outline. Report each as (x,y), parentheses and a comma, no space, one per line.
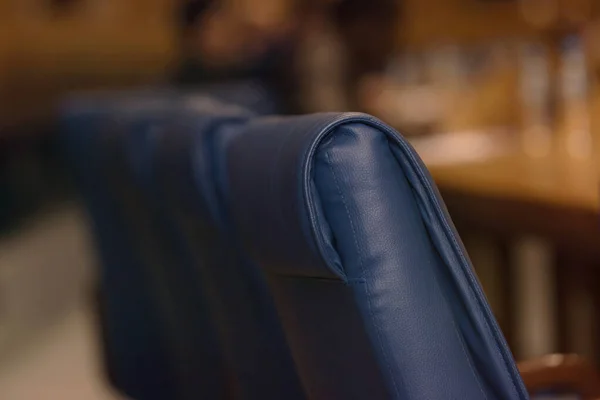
(266,257)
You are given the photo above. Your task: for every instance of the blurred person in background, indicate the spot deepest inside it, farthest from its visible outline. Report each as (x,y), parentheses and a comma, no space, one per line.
(227,41)
(309,53)
(369,32)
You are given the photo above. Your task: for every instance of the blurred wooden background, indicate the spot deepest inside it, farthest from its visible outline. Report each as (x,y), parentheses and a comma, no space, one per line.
(50,46)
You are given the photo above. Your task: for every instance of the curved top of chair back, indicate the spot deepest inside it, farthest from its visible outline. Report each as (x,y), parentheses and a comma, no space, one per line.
(377,296)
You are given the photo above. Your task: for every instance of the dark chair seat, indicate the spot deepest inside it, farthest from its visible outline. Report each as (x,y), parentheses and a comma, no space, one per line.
(377,296)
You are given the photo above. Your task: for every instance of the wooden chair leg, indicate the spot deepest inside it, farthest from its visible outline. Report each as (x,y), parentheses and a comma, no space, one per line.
(577,303)
(507,322)
(564,286)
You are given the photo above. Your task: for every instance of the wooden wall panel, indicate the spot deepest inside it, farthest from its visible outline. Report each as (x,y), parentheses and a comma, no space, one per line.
(427,22)
(94,43)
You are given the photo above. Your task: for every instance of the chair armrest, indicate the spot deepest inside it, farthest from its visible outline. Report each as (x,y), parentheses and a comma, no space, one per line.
(558,371)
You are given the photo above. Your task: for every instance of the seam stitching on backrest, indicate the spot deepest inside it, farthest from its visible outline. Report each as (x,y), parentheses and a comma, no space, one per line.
(360,259)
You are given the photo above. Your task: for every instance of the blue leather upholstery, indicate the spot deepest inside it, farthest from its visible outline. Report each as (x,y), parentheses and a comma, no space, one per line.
(128,148)
(136,354)
(117,145)
(157,336)
(247,323)
(377,296)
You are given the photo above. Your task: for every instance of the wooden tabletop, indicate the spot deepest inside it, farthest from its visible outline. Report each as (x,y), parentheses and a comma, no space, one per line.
(510,193)
(551,180)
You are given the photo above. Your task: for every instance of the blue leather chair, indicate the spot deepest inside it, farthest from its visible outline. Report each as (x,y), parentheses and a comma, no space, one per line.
(128,147)
(377,297)
(141,318)
(247,323)
(136,354)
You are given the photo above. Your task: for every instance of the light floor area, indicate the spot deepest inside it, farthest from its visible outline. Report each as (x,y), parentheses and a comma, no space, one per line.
(63,364)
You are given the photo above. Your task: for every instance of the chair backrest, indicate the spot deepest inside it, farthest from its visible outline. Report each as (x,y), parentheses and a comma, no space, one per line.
(246,319)
(153,308)
(137,359)
(376,294)
(128,147)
